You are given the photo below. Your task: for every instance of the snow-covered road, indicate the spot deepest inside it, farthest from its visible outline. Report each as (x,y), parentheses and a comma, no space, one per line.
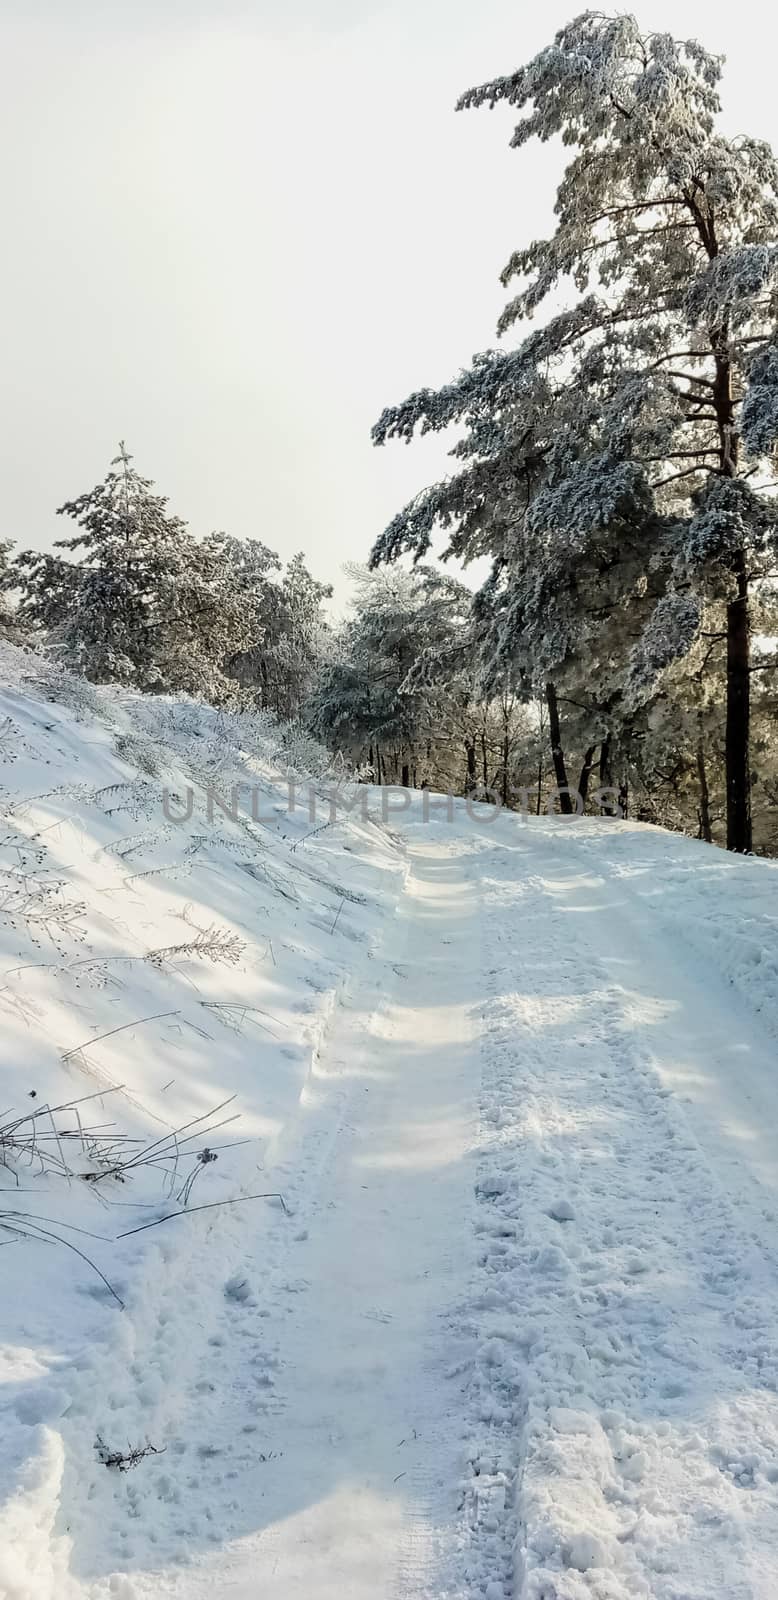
(520,1336)
(632,1153)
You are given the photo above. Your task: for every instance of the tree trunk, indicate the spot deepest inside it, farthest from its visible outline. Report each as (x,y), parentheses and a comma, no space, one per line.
(471,778)
(739,831)
(557,753)
(406,775)
(738,766)
(586,773)
(605,760)
(379,779)
(706,831)
(506,751)
(541,747)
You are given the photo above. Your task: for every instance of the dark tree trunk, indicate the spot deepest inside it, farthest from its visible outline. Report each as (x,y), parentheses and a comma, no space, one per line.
(406,775)
(737,762)
(506,750)
(586,773)
(706,831)
(605,760)
(739,831)
(471,777)
(379,779)
(557,753)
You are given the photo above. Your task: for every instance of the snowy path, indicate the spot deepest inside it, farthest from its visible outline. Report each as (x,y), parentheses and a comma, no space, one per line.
(325,1389)
(519,1338)
(361,1427)
(634,1297)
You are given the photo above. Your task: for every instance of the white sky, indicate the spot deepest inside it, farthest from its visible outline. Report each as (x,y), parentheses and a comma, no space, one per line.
(234,231)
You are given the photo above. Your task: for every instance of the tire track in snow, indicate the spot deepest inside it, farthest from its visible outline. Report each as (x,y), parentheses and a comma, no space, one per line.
(623,1399)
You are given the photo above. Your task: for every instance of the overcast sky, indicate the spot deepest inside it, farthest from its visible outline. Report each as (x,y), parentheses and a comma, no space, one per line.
(234,231)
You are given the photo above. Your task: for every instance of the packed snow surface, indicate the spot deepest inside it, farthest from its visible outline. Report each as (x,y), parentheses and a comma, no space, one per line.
(511,1329)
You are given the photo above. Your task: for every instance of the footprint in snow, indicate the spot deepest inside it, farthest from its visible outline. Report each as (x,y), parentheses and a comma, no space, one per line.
(238,1288)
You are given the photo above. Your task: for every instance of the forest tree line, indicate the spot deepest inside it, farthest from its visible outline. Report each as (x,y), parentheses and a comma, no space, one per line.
(616,464)
(399,688)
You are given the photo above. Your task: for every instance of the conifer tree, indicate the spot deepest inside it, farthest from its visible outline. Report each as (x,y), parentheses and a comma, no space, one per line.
(620,454)
(398,692)
(111,607)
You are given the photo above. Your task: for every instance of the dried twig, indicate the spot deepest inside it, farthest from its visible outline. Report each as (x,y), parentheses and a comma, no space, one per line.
(209,944)
(214,1204)
(169,1148)
(123,1460)
(137,1023)
(22,1225)
(219,1006)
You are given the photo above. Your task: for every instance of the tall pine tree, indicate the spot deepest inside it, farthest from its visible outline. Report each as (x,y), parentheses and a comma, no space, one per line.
(624,447)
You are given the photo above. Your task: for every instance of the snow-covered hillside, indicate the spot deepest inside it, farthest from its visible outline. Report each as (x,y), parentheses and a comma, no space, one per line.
(503,1321)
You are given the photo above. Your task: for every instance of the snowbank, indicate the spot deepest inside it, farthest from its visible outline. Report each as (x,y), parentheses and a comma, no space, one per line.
(166,969)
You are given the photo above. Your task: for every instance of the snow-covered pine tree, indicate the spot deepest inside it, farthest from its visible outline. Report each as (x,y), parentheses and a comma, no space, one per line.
(228,599)
(295,641)
(11,626)
(361,701)
(47,588)
(284,628)
(628,440)
(136,599)
(399,691)
(110,609)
